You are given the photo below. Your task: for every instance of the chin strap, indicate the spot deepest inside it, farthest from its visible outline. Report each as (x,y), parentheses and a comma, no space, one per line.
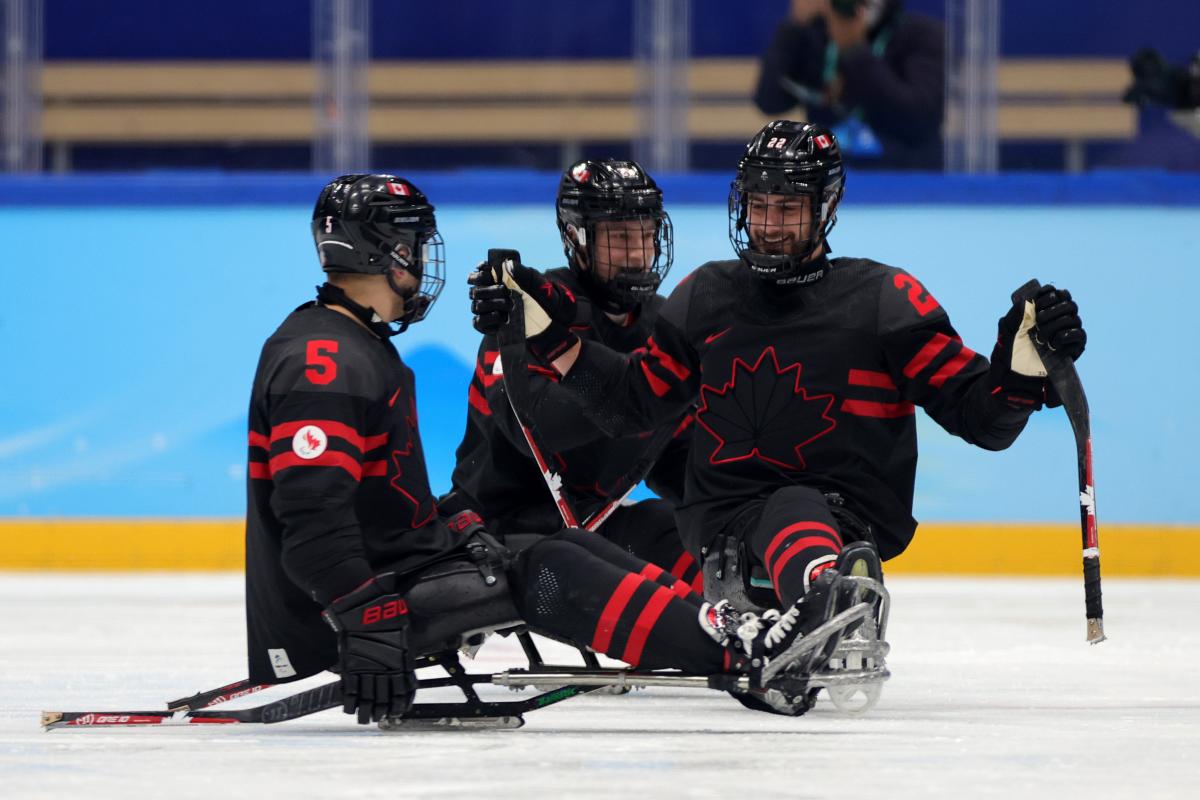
(330,295)
(601,295)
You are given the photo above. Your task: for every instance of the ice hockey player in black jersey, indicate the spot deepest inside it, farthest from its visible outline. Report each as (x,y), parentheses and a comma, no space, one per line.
(350,564)
(806,371)
(618,243)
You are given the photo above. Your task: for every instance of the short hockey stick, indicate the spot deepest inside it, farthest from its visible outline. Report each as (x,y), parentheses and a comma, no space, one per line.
(512,343)
(1065,380)
(298,705)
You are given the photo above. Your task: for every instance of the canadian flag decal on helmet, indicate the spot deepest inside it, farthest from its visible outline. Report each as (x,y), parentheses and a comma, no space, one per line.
(398,188)
(822,141)
(580,172)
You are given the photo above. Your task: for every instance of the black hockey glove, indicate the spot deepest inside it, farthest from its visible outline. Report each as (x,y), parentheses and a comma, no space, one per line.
(549,307)
(1017,370)
(491,301)
(377,669)
(1057,322)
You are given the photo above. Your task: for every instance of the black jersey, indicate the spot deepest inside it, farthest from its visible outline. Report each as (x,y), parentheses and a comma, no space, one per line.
(337,484)
(812,385)
(494,465)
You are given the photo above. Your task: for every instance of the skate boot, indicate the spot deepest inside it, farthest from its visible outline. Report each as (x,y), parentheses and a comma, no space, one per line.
(856,668)
(780,651)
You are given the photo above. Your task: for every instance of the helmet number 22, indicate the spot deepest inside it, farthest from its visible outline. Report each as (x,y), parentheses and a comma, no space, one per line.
(321,368)
(921,300)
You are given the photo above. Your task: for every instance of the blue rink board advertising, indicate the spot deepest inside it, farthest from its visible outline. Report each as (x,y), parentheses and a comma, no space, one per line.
(131,335)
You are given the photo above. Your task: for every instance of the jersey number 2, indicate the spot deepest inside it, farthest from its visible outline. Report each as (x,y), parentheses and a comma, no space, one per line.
(921,300)
(321,368)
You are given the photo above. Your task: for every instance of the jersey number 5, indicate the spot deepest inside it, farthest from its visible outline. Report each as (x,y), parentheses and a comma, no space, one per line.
(921,300)
(321,368)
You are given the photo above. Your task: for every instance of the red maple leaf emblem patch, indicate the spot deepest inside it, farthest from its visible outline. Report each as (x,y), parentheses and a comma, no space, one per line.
(764,412)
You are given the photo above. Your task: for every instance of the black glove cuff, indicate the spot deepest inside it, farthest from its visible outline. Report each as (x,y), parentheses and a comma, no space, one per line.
(551,343)
(373,607)
(1020,392)
(465,522)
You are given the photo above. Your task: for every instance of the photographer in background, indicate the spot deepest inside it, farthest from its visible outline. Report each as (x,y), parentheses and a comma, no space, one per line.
(1163,92)
(1157,82)
(869,70)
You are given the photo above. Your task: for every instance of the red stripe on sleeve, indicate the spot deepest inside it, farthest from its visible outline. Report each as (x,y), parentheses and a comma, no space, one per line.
(698,583)
(486,378)
(645,623)
(926,354)
(680,588)
(657,385)
(799,526)
(374,469)
(259,470)
(371,442)
(869,408)
(671,365)
(331,427)
(952,367)
(612,612)
(259,440)
(330,458)
(478,401)
(869,377)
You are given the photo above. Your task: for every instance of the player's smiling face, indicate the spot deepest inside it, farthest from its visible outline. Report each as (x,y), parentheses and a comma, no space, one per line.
(777,223)
(623,245)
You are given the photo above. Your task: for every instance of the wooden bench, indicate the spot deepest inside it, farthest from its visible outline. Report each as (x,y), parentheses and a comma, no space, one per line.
(1073,101)
(508,102)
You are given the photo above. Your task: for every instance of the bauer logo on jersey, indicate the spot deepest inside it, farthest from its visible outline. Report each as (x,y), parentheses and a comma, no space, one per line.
(398,188)
(580,172)
(309,442)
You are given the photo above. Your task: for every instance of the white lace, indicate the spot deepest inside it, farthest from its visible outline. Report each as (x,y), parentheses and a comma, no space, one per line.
(782,628)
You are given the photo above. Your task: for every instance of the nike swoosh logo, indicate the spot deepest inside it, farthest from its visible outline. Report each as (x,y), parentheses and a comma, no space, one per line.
(712,338)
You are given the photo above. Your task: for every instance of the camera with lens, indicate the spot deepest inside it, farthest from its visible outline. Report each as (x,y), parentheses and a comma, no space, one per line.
(1157,82)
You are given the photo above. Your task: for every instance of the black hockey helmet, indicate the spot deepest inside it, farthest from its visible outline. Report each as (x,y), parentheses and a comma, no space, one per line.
(370,223)
(592,192)
(785,159)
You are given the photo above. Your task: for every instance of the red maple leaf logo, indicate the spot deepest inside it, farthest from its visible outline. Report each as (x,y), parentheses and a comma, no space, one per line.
(764,413)
(424,509)
(312,441)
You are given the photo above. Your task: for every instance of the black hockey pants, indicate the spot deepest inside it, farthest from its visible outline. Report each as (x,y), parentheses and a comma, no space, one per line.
(579,587)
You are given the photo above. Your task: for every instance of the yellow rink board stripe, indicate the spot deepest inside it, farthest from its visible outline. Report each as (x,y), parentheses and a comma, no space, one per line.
(939,548)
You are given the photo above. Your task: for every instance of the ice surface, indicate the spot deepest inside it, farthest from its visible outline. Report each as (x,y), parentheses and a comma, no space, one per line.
(994,694)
